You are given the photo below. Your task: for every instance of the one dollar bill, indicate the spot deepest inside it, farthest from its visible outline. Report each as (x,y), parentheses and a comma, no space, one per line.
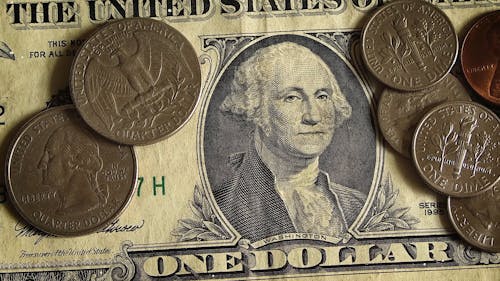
(211,202)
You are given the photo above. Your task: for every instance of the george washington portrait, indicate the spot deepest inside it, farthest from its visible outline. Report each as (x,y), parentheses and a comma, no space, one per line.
(291,103)
(70,164)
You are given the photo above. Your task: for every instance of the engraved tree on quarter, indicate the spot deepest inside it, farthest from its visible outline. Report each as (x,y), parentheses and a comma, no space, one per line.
(443,142)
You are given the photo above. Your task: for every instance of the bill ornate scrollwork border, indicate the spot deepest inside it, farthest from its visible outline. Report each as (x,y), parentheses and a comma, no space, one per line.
(121,268)
(464,254)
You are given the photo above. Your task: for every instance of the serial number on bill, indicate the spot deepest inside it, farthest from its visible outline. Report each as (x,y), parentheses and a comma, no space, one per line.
(431,208)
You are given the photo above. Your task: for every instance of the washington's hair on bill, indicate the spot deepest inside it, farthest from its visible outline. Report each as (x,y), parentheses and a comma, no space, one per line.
(255,75)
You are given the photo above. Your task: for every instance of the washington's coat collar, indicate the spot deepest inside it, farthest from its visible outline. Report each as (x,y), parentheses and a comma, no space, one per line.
(250,200)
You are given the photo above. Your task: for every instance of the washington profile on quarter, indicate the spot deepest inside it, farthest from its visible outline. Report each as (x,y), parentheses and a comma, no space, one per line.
(399,112)
(409,45)
(477,219)
(455,148)
(136,81)
(65,179)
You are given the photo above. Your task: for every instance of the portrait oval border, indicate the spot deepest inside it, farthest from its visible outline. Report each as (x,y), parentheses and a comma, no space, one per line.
(208,91)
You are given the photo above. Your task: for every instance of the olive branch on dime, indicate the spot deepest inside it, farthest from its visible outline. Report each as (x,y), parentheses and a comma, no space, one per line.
(398,51)
(482,141)
(384,215)
(426,30)
(444,140)
(205,226)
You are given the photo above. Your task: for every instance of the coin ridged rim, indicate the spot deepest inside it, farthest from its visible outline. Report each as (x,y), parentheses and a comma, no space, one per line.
(104,132)
(469,32)
(10,193)
(466,237)
(381,125)
(386,6)
(414,156)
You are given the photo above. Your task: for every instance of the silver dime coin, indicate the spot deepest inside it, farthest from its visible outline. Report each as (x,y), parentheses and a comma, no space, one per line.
(409,45)
(456,148)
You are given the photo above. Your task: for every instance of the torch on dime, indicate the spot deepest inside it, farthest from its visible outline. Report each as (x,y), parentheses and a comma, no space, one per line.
(409,45)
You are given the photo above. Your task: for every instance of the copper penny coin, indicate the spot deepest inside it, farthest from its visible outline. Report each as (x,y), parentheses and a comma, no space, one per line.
(400,112)
(477,219)
(481,57)
(136,81)
(65,179)
(456,148)
(409,45)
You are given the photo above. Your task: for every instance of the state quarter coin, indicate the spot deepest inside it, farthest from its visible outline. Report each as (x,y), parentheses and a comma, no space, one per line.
(409,45)
(65,179)
(456,149)
(400,112)
(477,219)
(481,57)
(136,81)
